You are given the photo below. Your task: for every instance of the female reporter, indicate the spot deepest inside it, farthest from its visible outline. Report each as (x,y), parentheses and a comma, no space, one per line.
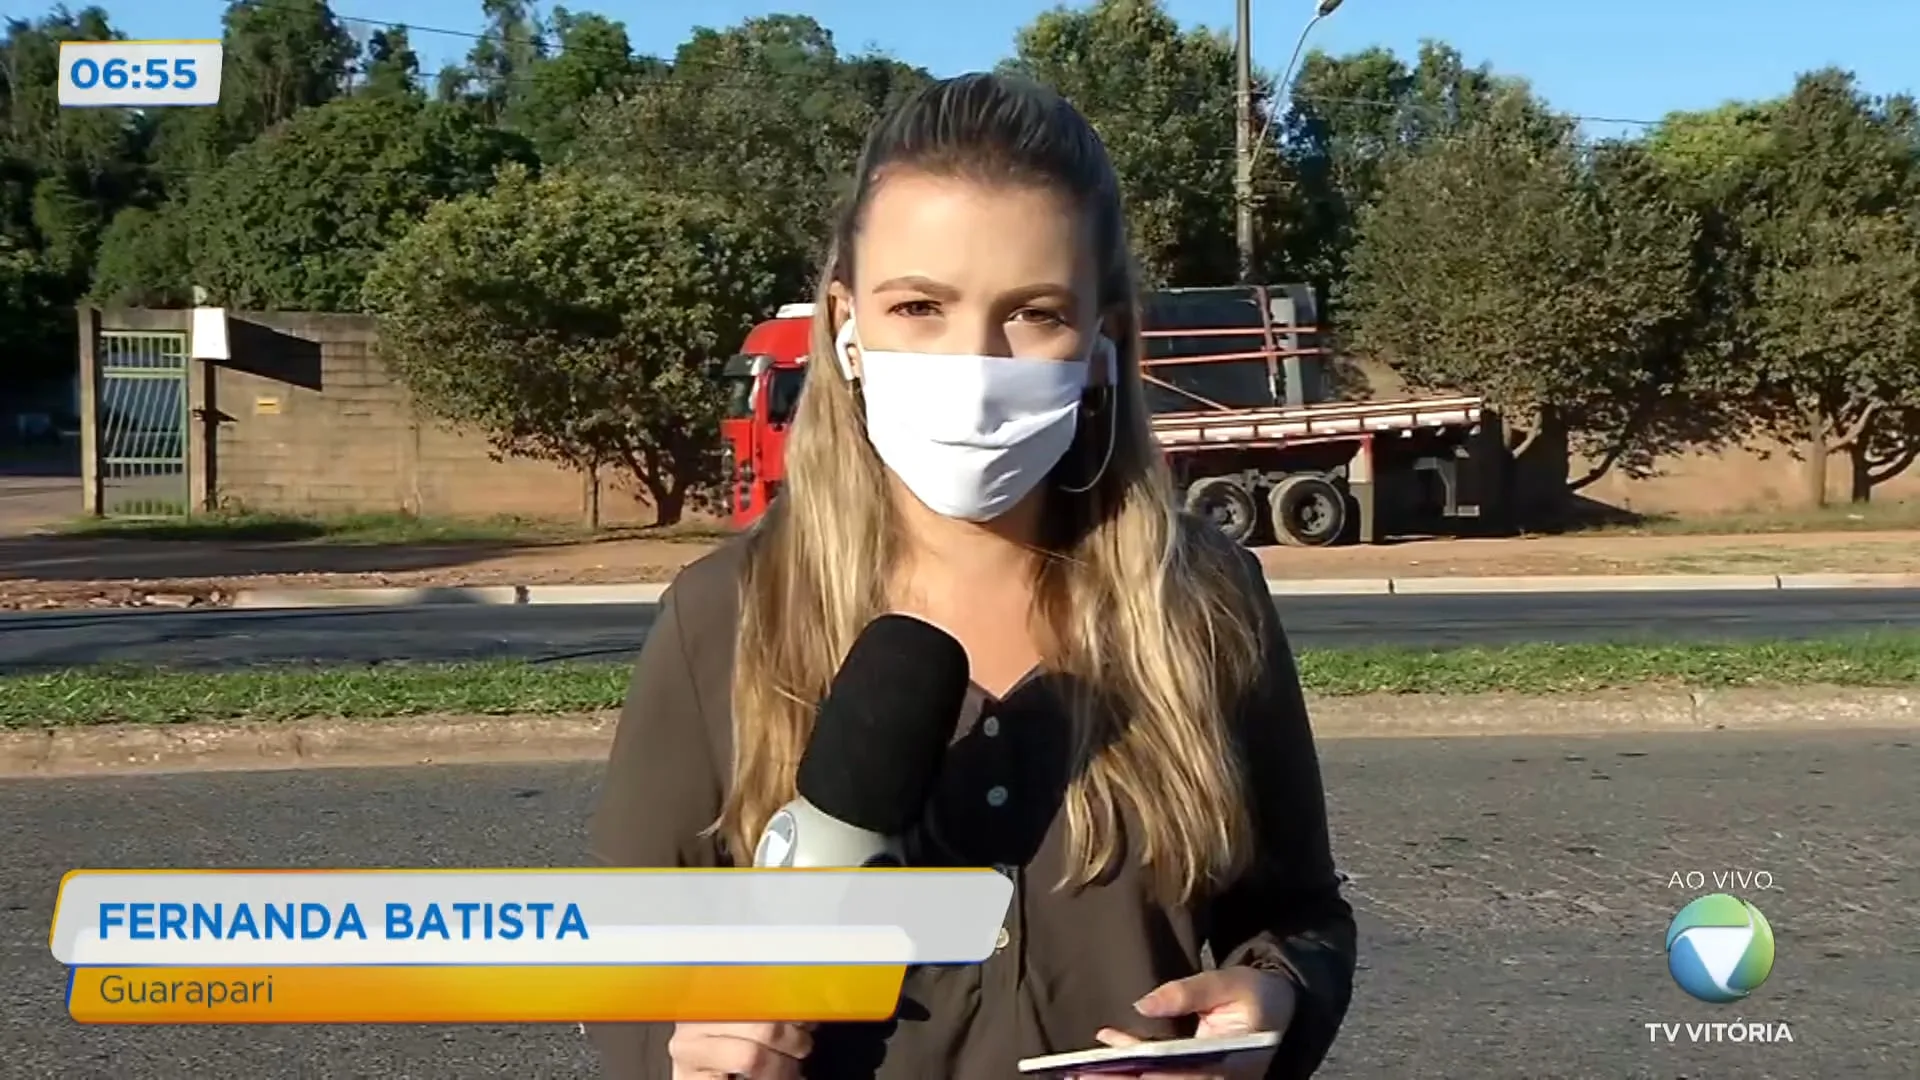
(972,447)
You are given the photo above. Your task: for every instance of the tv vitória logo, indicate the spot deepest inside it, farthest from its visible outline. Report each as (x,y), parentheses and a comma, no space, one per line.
(1719,948)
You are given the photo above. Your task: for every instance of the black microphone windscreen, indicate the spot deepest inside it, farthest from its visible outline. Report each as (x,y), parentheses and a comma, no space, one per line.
(882,731)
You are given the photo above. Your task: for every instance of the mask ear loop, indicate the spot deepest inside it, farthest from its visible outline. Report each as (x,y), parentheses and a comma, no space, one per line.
(1113,417)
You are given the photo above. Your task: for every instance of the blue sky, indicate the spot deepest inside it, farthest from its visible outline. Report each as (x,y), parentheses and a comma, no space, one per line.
(1602,58)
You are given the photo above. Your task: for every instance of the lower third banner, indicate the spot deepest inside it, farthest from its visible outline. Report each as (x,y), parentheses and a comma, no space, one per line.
(504,946)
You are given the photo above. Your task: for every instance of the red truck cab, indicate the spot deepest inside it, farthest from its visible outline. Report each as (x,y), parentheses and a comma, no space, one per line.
(763,385)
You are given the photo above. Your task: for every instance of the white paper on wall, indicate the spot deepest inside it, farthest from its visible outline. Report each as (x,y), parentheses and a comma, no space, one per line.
(209,334)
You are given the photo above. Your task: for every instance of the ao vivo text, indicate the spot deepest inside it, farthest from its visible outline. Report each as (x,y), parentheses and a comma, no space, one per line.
(1744,880)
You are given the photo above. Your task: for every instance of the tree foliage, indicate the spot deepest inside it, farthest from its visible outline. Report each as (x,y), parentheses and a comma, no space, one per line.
(63,174)
(1350,118)
(145,260)
(296,218)
(1162,99)
(572,318)
(1814,306)
(1502,262)
(767,116)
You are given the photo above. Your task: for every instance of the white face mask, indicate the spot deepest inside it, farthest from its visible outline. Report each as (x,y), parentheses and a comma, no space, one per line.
(969,435)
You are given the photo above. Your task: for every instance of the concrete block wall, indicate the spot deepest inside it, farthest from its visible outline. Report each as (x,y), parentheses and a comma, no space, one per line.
(1762,475)
(310,421)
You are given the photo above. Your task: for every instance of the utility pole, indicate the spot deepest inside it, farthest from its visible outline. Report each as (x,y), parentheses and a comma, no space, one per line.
(1243,135)
(1246,143)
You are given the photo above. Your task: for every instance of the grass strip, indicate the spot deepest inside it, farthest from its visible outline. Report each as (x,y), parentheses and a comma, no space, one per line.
(84,696)
(1879,659)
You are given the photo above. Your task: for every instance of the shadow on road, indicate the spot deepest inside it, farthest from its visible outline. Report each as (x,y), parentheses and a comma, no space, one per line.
(88,558)
(52,464)
(38,487)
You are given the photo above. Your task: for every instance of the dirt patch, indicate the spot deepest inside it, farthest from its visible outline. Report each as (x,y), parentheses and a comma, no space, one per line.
(1601,553)
(122,749)
(133,573)
(68,573)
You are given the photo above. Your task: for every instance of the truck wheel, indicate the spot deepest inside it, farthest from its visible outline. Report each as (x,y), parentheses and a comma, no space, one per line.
(1228,504)
(1309,510)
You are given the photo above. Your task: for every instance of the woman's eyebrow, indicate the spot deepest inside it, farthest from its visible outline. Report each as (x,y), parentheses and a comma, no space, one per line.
(915,283)
(940,290)
(1026,294)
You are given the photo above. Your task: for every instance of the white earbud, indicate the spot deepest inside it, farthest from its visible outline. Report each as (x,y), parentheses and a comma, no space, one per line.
(843,348)
(1104,346)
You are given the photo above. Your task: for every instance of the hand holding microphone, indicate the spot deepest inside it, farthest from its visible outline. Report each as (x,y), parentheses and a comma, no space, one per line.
(866,777)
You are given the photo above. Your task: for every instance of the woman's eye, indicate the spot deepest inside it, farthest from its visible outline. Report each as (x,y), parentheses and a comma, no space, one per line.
(1039,315)
(916,309)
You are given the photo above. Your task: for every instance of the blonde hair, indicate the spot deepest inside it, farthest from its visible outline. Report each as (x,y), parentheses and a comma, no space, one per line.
(1149,605)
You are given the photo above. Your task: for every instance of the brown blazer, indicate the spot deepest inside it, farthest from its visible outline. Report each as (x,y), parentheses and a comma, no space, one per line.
(1071,961)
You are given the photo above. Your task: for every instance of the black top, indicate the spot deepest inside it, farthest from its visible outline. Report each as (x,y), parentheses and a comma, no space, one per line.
(1071,961)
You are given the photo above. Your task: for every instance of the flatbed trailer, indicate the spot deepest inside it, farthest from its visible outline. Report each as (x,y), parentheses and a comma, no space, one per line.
(1254,450)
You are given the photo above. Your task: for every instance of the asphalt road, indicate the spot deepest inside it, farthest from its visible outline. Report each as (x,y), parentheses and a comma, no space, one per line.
(228,638)
(1512,896)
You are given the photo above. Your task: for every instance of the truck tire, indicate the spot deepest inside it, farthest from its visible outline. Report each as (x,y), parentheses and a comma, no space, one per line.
(1227,503)
(1309,510)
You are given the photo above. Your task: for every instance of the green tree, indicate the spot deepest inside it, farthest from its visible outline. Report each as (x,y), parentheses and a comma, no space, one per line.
(1816,321)
(295,219)
(1162,100)
(1505,263)
(1837,328)
(30,318)
(281,56)
(1714,153)
(1349,118)
(1836,319)
(87,143)
(500,64)
(593,62)
(63,174)
(767,116)
(391,66)
(144,259)
(572,319)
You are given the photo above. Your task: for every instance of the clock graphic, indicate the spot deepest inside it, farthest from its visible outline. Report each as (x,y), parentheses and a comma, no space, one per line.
(139,74)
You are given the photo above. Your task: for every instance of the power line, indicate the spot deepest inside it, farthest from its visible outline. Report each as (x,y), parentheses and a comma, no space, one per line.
(549,40)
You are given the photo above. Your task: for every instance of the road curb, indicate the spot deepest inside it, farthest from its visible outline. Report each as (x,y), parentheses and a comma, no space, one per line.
(1436,586)
(650,592)
(1850,581)
(643,593)
(1330,586)
(390,597)
(139,749)
(122,749)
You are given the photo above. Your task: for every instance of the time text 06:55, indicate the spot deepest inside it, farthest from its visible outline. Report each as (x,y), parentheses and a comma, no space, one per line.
(139,74)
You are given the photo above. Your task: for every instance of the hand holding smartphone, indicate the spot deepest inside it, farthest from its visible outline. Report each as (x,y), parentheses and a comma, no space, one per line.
(1166,1055)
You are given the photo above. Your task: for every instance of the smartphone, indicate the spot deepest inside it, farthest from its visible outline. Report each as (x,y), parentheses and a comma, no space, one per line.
(1151,1056)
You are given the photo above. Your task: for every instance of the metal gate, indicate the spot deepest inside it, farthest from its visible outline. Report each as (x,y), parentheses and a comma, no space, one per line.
(142,420)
